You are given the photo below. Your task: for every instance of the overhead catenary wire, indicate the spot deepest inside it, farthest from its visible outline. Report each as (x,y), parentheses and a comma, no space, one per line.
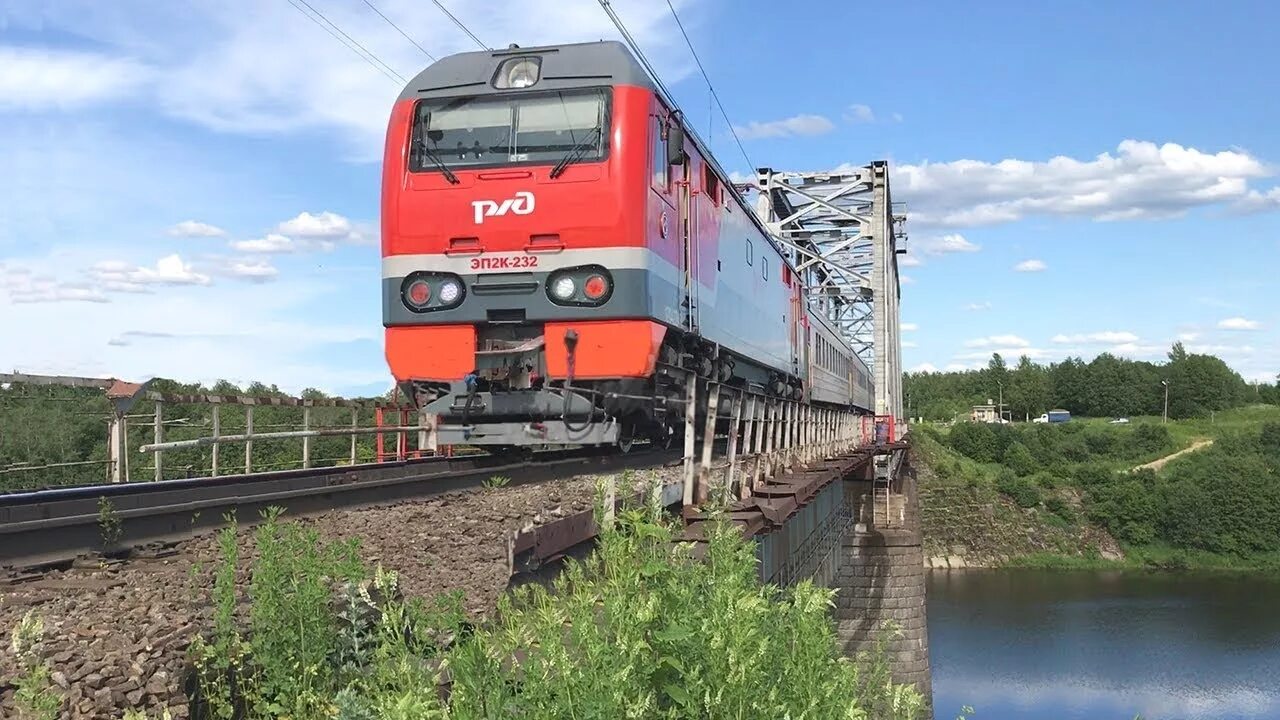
(644,61)
(462,26)
(714,95)
(351,43)
(402,32)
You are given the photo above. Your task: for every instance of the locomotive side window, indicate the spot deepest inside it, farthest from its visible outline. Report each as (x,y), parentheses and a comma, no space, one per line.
(711,183)
(659,156)
(764,268)
(750,252)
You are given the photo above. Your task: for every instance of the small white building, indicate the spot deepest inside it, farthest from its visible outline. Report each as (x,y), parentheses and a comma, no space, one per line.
(989,413)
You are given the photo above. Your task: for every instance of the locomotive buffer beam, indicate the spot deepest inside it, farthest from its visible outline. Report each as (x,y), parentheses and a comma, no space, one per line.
(520,417)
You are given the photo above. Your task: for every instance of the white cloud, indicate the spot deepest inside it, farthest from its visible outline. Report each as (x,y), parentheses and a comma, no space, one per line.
(272,243)
(169,270)
(1188,336)
(924,368)
(944,244)
(861,113)
(1238,323)
(42,290)
(997,340)
(910,344)
(896,117)
(1133,349)
(905,280)
(326,225)
(1141,180)
(1011,351)
(908,327)
(248,66)
(1255,201)
(795,125)
(977,306)
(1106,337)
(1031,266)
(908,260)
(36,79)
(194,229)
(1220,349)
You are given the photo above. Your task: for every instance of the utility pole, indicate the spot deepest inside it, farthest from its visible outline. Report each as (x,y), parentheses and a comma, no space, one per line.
(1000,409)
(1165,383)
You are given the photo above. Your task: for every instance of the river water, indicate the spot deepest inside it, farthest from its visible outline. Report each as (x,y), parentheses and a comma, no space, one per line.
(1032,644)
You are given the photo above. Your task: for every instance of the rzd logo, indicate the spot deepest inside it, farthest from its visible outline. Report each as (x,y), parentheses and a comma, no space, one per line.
(521,204)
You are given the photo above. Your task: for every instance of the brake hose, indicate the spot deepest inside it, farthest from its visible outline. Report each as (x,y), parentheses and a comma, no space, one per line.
(571,348)
(471,381)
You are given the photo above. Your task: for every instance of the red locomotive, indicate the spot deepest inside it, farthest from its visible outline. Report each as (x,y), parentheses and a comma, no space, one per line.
(559,254)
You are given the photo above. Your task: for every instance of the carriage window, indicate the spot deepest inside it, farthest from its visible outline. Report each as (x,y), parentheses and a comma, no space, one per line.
(764,268)
(659,156)
(750,251)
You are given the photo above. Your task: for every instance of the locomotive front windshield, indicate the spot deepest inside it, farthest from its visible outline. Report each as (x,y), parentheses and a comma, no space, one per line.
(513,129)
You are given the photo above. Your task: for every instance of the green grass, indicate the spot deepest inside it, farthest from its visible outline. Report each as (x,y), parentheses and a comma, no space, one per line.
(1151,557)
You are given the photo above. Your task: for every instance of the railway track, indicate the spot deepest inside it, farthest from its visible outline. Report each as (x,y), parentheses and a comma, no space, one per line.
(55,526)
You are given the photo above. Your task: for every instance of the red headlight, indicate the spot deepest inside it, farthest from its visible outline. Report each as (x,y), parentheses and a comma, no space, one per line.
(595,287)
(418,293)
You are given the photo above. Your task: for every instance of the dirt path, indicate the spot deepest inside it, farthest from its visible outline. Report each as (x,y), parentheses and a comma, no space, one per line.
(1157,464)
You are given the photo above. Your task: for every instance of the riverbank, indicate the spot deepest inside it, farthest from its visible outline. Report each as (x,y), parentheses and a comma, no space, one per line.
(1070,498)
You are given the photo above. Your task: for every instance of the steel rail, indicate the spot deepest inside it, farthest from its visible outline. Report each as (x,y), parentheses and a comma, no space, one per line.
(56,526)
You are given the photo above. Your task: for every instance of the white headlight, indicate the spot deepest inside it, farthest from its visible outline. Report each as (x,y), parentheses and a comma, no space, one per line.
(522,73)
(563,288)
(449,292)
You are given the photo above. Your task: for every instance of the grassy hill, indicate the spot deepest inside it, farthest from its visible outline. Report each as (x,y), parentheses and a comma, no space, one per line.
(1069,495)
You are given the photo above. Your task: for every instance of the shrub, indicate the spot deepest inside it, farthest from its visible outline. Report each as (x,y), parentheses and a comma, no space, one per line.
(1101,440)
(1149,438)
(1269,438)
(1093,474)
(1046,480)
(1129,509)
(976,441)
(639,629)
(1073,448)
(1019,489)
(1060,508)
(1018,459)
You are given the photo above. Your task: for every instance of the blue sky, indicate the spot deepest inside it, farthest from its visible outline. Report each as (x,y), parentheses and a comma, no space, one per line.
(192,191)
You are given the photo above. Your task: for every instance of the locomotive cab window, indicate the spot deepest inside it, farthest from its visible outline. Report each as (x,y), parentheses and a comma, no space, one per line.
(764,268)
(750,252)
(496,130)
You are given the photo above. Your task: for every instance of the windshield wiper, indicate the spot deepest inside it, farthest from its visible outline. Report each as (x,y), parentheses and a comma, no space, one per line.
(576,152)
(435,160)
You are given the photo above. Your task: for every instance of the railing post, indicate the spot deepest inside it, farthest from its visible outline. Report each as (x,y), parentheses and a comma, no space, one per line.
(217,427)
(355,423)
(113,448)
(708,439)
(306,439)
(748,433)
(771,436)
(379,449)
(248,443)
(690,416)
(158,455)
(734,426)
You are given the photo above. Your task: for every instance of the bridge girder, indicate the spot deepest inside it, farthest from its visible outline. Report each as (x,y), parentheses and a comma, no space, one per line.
(840,231)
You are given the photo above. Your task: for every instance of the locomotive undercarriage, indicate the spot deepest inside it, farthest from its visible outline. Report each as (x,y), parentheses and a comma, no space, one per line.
(508,403)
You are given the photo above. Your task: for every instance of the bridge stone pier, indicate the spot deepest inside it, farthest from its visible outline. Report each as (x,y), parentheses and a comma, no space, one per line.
(880,584)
